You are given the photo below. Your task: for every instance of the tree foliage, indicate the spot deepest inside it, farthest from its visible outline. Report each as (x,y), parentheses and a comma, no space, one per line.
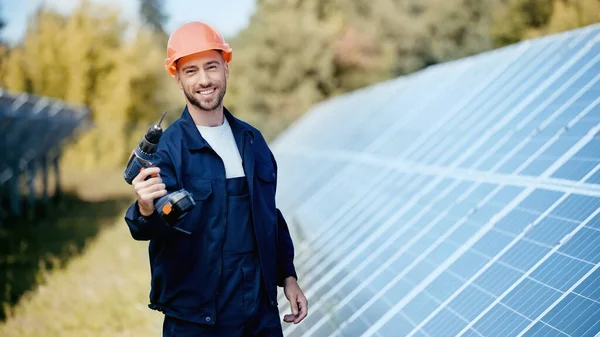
(95,66)
(292,54)
(525,19)
(153,14)
(297,52)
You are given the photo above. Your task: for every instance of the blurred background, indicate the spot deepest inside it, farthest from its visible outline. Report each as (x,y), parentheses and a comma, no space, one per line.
(83,80)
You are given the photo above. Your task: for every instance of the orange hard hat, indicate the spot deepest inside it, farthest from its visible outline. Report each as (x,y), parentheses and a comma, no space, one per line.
(191,38)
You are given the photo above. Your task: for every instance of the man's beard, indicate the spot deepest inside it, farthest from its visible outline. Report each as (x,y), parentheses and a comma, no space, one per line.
(202,105)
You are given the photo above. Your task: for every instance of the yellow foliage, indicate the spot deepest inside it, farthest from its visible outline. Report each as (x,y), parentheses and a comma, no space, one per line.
(571,14)
(84,58)
(521,20)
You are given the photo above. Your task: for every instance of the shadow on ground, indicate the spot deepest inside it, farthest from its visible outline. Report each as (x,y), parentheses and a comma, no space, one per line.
(48,238)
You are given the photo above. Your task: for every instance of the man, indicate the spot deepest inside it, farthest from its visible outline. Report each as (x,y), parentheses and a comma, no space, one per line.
(219,276)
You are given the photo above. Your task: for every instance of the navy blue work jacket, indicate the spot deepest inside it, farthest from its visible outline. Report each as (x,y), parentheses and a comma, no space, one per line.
(186,268)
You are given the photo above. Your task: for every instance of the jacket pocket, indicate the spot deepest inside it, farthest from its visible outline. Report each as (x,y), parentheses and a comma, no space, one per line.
(265,172)
(200,190)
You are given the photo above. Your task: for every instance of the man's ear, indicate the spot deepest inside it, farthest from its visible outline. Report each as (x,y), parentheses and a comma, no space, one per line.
(178,80)
(226,70)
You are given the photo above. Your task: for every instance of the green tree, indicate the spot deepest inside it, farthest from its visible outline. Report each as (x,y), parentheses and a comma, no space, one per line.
(153,14)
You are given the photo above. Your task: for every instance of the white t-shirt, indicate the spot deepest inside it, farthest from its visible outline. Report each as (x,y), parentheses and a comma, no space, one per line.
(221,140)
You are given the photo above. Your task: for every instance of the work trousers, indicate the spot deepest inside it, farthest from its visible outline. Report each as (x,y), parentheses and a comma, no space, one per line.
(243,308)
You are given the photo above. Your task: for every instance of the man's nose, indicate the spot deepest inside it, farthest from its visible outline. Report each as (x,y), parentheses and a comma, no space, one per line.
(203,80)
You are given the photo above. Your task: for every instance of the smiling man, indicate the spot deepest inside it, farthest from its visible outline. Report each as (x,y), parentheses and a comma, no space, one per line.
(219,276)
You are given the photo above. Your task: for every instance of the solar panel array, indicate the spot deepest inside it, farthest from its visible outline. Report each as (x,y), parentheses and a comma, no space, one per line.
(461,200)
(32,131)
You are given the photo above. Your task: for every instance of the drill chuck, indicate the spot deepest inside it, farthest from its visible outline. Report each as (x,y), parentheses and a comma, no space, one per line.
(149,143)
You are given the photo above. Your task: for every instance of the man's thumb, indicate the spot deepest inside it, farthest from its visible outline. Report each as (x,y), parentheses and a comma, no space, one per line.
(294,304)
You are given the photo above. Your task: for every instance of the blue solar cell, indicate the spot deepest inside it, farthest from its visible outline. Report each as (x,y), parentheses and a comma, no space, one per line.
(483,214)
(468,264)
(590,287)
(418,333)
(524,254)
(494,160)
(444,285)
(531,298)
(497,278)
(420,307)
(399,325)
(539,200)
(506,195)
(582,163)
(583,126)
(471,333)
(471,302)
(500,321)
(594,178)
(577,207)
(550,230)
(516,221)
(446,324)
(541,329)
(575,316)
(418,271)
(584,245)
(550,155)
(400,289)
(582,105)
(513,164)
(325,330)
(378,309)
(492,243)
(459,233)
(561,272)
(482,151)
(576,168)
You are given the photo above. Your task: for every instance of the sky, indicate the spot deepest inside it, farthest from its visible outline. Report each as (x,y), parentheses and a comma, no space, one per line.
(229,21)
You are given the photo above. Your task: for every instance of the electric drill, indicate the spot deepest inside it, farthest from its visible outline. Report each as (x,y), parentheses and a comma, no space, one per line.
(173,206)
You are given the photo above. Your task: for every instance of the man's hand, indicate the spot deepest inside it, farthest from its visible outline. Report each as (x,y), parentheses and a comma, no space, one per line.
(298,302)
(148,190)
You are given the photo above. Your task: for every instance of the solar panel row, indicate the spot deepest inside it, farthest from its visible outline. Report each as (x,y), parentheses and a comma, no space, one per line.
(32,130)
(460,200)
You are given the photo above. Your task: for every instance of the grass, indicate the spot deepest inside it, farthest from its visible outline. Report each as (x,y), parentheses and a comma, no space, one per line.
(77,271)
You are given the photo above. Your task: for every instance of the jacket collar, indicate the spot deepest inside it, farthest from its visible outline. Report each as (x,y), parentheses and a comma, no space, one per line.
(194,139)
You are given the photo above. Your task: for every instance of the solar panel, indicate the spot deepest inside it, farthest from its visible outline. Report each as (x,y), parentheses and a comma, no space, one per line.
(32,131)
(461,200)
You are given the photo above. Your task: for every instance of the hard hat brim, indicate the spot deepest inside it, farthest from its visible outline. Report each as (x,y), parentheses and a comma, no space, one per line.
(170,63)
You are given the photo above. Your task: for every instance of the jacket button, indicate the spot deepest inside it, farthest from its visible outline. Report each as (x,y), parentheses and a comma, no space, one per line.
(207,319)
(251,141)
